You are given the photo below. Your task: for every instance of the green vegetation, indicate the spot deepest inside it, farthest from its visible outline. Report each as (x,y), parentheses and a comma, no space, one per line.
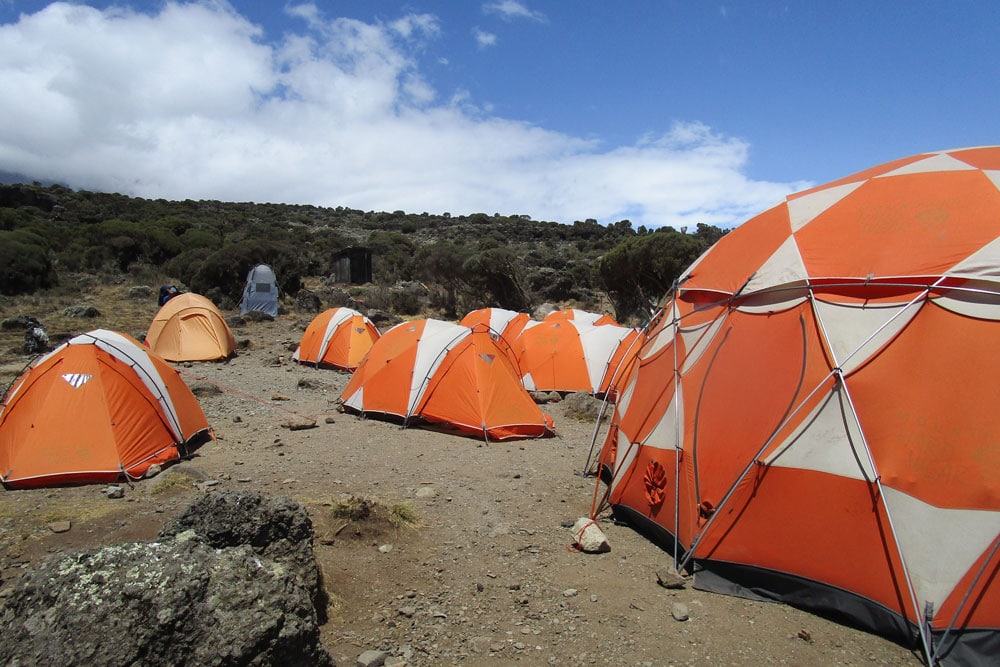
(463,262)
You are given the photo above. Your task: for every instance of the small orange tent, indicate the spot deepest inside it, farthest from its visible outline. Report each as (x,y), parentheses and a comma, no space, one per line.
(581,316)
(507,324)
(567,355)
(337,338)
(189,327)
(98,408)
(814,416)
(445,375)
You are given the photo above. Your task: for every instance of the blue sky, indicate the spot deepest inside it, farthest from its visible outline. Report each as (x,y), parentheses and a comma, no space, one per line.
(662,112)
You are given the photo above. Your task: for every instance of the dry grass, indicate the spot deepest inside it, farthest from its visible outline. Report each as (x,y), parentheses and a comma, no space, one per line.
(110,296)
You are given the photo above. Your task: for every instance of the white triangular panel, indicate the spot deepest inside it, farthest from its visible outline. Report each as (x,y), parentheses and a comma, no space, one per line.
(979,299)
(599,345)
(130,354)
(528,382)
(854,332)
(665,335)
(356,400)
(939,545)
(936,162)
(624,456)
(699,339)
(667,433)
(994,176)
(803,210)
(435,340)
(984,263)
(783,267)
(828,440)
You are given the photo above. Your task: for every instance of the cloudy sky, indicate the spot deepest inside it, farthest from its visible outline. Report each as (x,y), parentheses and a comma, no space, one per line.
(660,112)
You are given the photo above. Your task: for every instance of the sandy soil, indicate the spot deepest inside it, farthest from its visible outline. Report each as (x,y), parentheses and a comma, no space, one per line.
(489,577)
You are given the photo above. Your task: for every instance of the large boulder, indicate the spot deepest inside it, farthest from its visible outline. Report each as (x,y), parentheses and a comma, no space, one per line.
(277,528)
(197,596)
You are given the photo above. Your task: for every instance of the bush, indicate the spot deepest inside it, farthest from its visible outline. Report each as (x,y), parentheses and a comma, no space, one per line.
(24,266)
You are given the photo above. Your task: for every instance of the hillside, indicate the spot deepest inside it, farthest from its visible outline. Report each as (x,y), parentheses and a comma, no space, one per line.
(50,235)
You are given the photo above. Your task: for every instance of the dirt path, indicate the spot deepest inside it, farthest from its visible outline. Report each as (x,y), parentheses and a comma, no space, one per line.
(489,578)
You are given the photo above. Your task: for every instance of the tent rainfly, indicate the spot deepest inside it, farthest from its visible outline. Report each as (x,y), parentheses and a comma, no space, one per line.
(96,409)
(189,327)
(448,376)
(260,293)
(813,418)
(337,338)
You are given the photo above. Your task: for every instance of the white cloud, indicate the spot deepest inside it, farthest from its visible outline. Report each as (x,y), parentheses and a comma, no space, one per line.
(484,39)
(510,10)
(193,103)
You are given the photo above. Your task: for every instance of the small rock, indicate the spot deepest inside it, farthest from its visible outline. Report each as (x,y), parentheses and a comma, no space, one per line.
(237,419)
(679,611)
(385,548)
(372,658)
(570,592)
(279,397)
(153,470)
(407,611)
(330,420)
(670,579)
(114,491)
(426,492)
(588,537)
(60,526)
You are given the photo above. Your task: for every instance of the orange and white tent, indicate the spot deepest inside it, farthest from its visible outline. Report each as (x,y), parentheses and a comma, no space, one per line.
(814,416)
(567,355)
(445,375)
(189,327)
(581,316)
(337,338)
(96,409)
(507,324)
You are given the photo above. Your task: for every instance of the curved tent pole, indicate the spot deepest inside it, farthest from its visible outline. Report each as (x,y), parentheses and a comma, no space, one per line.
(427,377)
(942,643)
(838,374)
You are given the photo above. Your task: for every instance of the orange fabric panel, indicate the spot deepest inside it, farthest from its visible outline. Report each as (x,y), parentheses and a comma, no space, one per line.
(631,491)
(386,373)
(738,254)
(189,327)
(928,411)
(863,175)
(814,525)
(946,217)
(189,413)
(36,443)
(987,157)
(552,353)
(477,388)
(759,368)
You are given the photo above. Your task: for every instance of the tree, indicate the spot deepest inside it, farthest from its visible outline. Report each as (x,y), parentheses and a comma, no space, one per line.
(640,270)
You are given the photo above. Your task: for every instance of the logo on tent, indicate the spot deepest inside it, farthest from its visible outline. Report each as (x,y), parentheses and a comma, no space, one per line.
(77,380)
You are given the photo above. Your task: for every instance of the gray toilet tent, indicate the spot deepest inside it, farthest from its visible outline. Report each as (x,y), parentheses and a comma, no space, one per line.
(260,292)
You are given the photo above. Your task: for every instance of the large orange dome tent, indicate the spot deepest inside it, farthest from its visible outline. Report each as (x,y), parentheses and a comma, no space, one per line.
(96,409)
(446,375)
(813,418)
(337,338)
(189,327)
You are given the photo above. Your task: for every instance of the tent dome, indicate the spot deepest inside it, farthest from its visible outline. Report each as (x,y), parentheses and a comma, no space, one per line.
(189,327)
(813,417)
(130,409)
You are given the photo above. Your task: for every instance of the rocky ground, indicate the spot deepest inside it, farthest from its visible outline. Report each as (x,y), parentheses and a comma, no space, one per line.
(487,576)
